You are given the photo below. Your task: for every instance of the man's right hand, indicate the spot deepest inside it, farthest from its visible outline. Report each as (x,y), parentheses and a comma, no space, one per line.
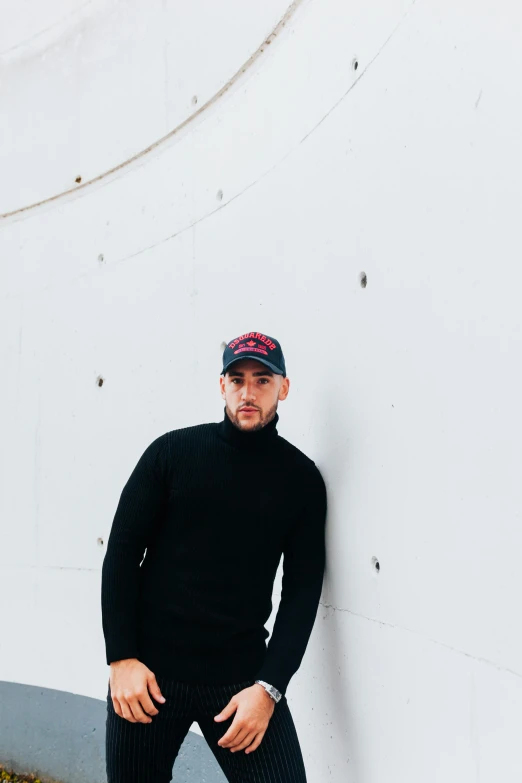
(130,683)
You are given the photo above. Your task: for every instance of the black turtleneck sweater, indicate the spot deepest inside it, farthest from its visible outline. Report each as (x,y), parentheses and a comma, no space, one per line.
(215,507)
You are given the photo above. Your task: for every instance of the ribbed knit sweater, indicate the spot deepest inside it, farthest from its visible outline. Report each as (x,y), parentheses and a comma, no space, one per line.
(196,540)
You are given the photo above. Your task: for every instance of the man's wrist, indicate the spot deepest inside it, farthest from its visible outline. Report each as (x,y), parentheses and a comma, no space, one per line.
(122,661)
(270,689)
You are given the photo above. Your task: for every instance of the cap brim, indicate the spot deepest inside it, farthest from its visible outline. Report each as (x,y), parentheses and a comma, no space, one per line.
(252,356)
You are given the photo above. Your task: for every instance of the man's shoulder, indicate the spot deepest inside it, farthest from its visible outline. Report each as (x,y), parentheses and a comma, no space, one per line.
(302,461)
(190,432)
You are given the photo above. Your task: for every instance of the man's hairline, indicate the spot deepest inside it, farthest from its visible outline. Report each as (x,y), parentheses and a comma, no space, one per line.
(257,373)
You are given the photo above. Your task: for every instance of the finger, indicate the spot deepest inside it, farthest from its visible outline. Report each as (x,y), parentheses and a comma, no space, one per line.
(126,712)
(138,713)
(256,743)
(238,739)
(155,689)
(117,707)
(148,705)
(247,741)
(227,711)
(230,735)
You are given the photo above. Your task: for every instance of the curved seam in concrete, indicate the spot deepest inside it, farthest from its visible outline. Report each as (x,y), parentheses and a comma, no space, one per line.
(245,67)
(261,176)
(278,162)
(200,219)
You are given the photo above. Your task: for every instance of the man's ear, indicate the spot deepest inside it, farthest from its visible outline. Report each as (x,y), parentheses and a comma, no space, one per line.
(285,388)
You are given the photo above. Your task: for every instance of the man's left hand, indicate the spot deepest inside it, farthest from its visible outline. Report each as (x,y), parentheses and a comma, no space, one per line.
(254,709)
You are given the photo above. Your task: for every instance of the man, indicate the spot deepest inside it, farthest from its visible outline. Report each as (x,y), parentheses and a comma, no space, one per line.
(187,581)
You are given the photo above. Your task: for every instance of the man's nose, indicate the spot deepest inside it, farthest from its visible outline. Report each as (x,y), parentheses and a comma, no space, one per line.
(248,391)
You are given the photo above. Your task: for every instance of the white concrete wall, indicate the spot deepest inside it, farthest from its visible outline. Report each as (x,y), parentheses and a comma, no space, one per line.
(261,210)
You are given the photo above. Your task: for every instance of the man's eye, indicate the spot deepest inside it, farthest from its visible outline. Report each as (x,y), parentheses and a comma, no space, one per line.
(263,380)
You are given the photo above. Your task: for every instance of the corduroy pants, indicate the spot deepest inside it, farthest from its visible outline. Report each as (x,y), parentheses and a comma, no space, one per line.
(145,752)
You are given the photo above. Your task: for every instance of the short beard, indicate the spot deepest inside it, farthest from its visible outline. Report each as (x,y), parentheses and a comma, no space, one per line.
(263,420)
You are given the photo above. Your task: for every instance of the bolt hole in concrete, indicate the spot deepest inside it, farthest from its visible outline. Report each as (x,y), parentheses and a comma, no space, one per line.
(355,63)
(219,195)
(363,279)
(194,99)
(99,541)
(99,380)
(376,565)
(101,258)
(78,179)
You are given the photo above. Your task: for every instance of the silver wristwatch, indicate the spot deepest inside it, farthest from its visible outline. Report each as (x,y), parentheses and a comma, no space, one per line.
(273,692)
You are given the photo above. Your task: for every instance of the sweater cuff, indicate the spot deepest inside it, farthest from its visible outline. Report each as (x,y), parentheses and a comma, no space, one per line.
(120,654)
(271,675)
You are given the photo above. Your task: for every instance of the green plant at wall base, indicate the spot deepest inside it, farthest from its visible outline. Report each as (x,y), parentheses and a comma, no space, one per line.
(12,777)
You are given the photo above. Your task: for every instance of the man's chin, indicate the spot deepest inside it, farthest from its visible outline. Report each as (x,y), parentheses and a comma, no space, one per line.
(248,423)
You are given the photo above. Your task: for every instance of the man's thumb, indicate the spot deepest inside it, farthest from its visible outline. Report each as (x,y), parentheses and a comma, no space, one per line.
(229,709)
(155,689)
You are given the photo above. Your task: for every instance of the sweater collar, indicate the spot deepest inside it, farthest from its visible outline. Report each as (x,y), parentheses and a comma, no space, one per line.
(266,437)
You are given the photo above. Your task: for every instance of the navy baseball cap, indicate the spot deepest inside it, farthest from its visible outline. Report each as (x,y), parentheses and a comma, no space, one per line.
(255,345)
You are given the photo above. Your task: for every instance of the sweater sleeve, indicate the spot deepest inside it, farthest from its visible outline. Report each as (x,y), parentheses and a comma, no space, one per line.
(141,501)
(303,571)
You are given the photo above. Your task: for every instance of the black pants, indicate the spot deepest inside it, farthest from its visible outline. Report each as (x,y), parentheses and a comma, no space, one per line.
(145,752)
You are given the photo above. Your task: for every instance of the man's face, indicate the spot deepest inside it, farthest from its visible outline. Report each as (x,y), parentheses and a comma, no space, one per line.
(249,385)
